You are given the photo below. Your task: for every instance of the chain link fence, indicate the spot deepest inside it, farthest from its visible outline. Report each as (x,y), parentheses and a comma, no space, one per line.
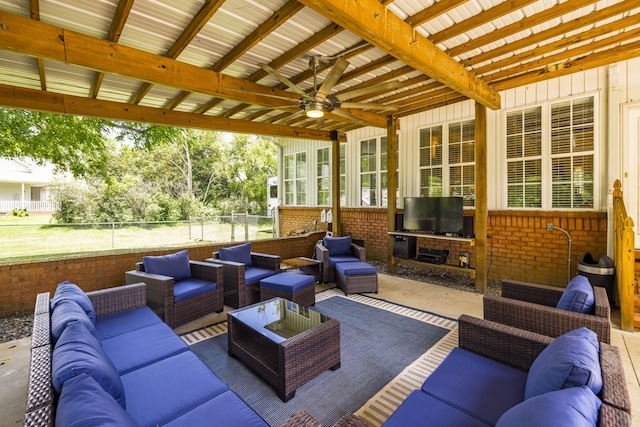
(24,242)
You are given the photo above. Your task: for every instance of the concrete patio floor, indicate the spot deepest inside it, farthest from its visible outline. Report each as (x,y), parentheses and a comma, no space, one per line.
(14,355)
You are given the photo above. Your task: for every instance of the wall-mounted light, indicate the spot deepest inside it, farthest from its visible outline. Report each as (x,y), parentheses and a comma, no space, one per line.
(551,227)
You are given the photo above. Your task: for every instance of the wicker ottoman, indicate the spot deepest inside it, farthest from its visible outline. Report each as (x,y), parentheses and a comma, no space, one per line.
(356,277)
(299,288)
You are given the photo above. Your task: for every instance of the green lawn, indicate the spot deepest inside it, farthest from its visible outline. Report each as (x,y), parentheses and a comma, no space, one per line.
(34,238)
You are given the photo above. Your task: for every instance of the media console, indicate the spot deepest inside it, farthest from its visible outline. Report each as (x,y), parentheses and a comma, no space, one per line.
(430,259)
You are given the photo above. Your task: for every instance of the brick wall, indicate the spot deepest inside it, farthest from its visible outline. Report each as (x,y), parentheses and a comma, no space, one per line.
(21,282)
(519,247)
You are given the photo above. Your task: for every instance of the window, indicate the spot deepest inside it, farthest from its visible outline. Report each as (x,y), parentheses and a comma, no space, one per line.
(551,149)
(323,176)
(373,172)
(524,158)
(431,162)
(462,158)
(295,179)
(572,149)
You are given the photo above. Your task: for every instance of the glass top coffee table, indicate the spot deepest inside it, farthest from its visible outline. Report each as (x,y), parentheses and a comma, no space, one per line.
(284,343)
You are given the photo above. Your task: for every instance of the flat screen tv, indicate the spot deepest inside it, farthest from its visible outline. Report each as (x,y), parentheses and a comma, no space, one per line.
(438,215)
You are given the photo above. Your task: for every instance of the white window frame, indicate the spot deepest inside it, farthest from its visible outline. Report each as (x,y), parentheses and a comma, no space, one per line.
(323,175)
(295,186)
(380,191)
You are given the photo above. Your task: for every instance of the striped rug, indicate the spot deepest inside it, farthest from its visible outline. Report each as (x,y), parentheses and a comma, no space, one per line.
(381,405)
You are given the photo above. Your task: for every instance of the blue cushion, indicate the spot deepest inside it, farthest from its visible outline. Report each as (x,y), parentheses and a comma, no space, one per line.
(338,245)
(571,407)
(77,352)
(240,253)
(226,409)
(571,360)
(141,347)
(578,296)
(122,322)
(172,265)
(66,290)
(162,391)
(421,409)
(67,311)
(337,259)
(84,403)
(287,282)
(253,275)
(479,386)
(355,268)
(189,288)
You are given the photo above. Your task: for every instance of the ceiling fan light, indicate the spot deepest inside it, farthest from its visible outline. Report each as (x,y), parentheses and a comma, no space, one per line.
(315,114)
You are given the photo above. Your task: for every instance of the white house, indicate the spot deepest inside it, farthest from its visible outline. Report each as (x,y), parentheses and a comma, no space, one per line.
(25,184)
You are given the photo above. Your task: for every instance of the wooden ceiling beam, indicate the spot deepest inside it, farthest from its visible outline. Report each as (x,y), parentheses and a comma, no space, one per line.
(481,18)
(34,7)
(29,99)
(373,22)
(47,41)
(432,12)
(521,25)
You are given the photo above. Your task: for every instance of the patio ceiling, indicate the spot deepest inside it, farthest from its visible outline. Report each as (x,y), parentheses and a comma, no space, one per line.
(195,63)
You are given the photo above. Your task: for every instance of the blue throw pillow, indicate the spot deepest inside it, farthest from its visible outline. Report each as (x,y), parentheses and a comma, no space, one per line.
(172,265)
(338,245)
(68,311)
(571,407)
(571,360)
(84,403)
(77,352)
(578,296)
(240,253)
(70,291)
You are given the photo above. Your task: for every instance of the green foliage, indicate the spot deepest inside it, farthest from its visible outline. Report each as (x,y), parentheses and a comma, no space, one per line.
(20,212)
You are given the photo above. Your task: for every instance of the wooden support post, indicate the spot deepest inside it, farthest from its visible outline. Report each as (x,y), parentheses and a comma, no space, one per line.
(392,184)
(481,216)
(335,185)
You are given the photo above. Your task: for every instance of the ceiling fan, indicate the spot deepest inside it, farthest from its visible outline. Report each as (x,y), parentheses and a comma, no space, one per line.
(317,102)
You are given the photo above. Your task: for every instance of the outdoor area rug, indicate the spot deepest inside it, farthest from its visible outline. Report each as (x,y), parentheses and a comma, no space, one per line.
(385,350)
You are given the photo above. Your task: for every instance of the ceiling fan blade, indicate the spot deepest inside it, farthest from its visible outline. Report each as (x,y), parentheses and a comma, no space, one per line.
(350,117)
(284,80)
(332,78)
(368,106)
(383,87)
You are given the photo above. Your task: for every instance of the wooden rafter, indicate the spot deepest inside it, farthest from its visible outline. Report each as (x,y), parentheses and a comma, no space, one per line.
(34,7)
(433,11)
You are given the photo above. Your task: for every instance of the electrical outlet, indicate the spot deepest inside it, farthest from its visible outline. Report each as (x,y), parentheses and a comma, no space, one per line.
(549,226)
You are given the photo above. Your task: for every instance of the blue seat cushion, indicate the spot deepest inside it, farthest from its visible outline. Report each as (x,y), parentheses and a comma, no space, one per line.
(66,290)
(578,296)
(355,268)
(172,265)
(239,253)
(192,287)
(571,360)
(569,407)
(77,352)
(122,322)
(141,347)
(69,311)
(337,259)
(162,391)
(476,385)
(287,282)
(421,409)
(253,275)
(338,245)
(84,403)
(226,409)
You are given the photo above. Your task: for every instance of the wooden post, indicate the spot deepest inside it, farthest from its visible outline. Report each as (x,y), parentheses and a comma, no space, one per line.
(335,185)
(392,184)
(623,257)
(481,198)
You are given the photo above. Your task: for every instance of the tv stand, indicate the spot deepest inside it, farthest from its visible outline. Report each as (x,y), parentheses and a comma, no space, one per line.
(471,272)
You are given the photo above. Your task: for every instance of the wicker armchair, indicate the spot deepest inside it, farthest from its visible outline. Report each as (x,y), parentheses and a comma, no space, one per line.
(329,261)
(242,283)
(533,307)
(161,298)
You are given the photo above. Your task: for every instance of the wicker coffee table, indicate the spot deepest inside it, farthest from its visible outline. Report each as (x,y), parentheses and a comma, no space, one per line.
(284,343)
(302,265)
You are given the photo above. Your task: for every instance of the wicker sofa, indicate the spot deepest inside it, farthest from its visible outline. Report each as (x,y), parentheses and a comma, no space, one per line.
(486,379)
(532,307)
(135,371)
